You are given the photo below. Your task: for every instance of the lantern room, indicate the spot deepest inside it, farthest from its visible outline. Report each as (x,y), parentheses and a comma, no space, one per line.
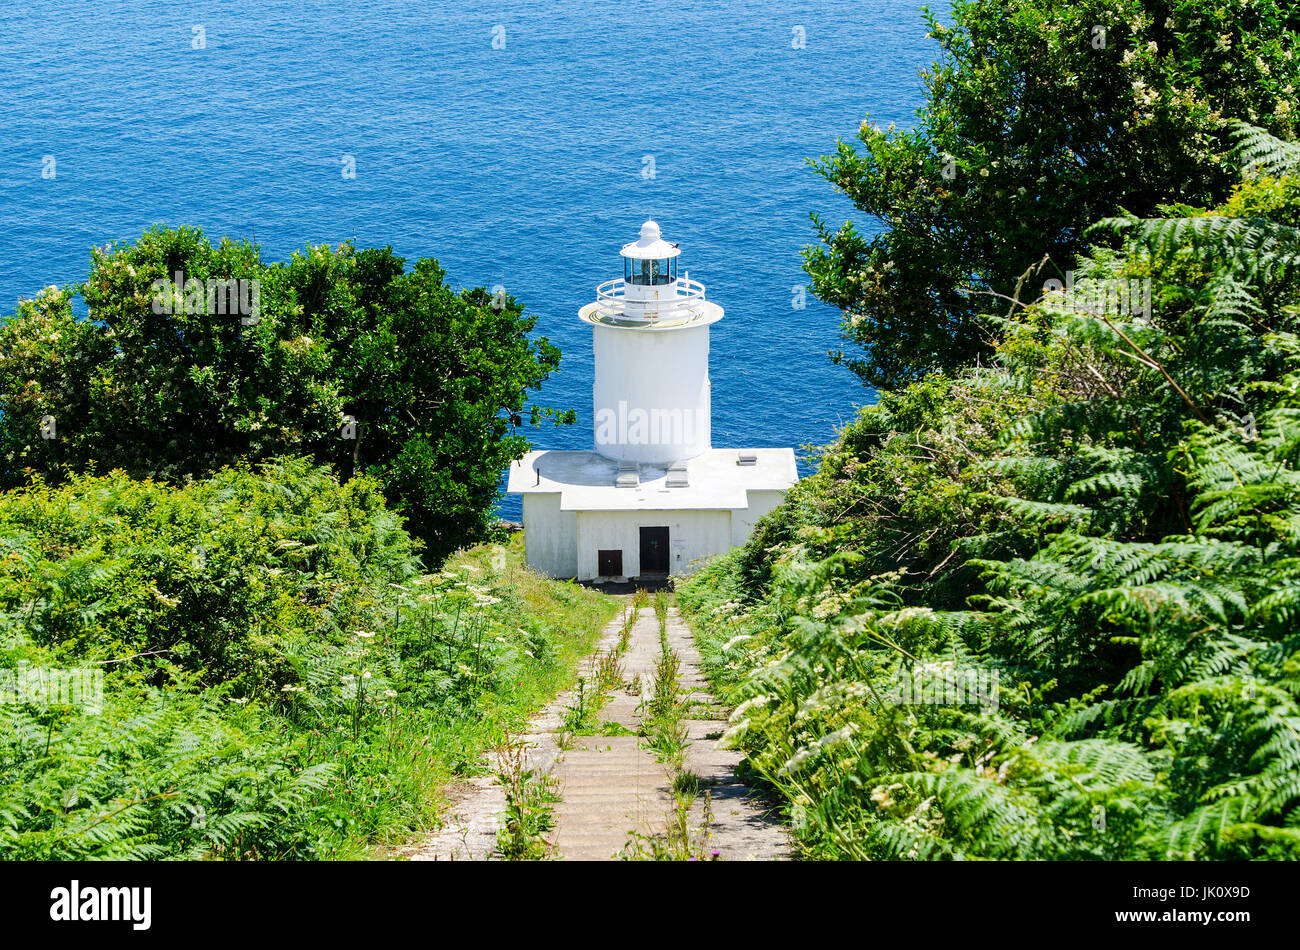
(650,261)
(650,290)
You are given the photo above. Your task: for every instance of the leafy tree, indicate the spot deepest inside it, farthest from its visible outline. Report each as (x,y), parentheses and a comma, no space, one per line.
(436,379)
(49,362)
(193,382)
(1042,117)
(172,376)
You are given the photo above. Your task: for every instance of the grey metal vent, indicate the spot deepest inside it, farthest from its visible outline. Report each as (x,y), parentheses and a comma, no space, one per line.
(746,458)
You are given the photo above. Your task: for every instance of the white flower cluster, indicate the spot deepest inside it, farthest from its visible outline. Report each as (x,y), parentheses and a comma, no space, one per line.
(1143,95)
(795,763)
(740,718)
(837,738)
(742,711)
(827,699)
(827,742)
(727,608)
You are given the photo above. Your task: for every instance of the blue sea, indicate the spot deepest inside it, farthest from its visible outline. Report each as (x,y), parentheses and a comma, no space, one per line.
(521,143)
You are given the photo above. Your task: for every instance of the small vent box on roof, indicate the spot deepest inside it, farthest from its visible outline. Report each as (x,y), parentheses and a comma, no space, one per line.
(677,477)
(629,475)
(746,458)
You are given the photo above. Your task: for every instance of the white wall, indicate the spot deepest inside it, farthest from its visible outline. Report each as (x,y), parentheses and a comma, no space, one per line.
(550,535)
(691,534)
(651,370)
(565,543)
(760,503)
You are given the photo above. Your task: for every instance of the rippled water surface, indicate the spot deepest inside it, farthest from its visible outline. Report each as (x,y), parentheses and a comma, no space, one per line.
(525,165)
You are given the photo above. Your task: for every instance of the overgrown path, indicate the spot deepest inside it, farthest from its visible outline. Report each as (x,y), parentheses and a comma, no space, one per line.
(743,826)
(632,757)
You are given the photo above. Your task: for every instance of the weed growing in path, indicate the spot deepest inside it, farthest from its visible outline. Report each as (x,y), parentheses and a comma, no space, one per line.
(678,842)
(529,798)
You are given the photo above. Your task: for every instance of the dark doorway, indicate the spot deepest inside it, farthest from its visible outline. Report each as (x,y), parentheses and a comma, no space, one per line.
(654,550)
(609,563)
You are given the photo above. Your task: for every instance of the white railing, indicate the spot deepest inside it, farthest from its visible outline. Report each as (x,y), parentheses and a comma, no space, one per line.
(609,297)
(612,302)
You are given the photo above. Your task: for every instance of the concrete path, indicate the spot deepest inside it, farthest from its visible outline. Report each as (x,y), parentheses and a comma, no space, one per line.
(744,827)
(610,786)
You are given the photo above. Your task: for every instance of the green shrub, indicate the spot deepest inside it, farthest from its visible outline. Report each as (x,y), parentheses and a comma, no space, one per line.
(222,578)
(279,680)
(1104,525)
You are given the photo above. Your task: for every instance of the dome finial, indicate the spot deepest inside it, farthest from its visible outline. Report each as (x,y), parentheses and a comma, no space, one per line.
(650,232)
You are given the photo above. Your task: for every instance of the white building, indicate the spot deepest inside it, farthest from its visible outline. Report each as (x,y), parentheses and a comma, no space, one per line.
(654,495)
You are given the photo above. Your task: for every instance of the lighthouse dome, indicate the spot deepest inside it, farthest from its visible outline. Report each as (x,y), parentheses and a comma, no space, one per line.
(650,245)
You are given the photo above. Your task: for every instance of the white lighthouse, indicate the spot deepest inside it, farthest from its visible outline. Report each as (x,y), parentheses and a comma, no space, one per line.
(651,342)
(653,496)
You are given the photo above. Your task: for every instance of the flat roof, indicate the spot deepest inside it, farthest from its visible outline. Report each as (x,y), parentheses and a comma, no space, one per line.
(586,480)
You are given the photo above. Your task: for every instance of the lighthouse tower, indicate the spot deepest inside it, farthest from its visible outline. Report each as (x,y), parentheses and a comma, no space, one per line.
(653,496)
(651,343)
